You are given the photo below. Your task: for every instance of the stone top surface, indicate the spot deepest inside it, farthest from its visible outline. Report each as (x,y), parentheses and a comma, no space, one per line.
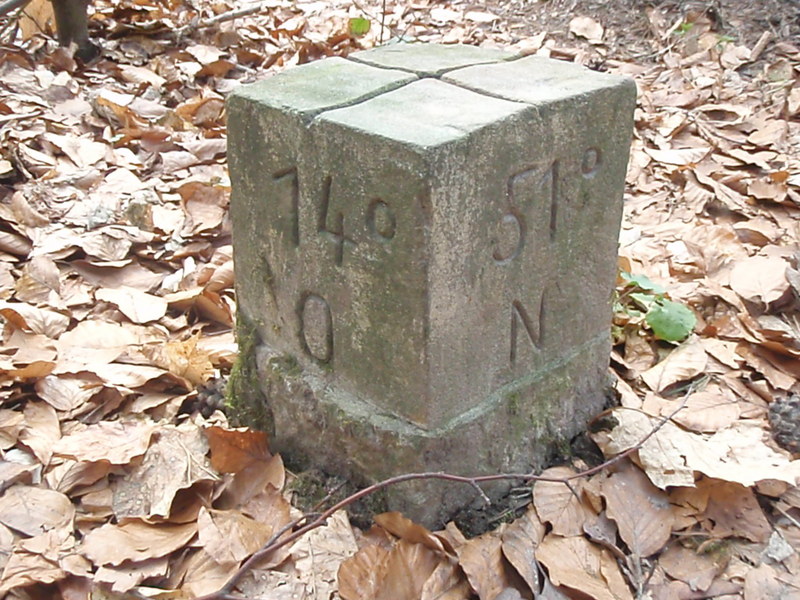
(409,92)
(422,113)
(429,59)
(533,79)
(322,85)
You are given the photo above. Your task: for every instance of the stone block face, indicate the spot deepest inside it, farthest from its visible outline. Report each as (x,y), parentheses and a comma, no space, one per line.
(427,254)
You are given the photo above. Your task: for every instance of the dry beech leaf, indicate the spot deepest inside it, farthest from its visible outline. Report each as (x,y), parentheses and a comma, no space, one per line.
(576,563)
(140,75)
(642,512)
(35,370)
(760,279)
(661,455)
(71,474)
(15,244)
(66,393)
(272,509)
(124,577)
(201,574)
(477,16)
(251,481)
(175,460)
(318,554)
(11,424)
(38,320)
(447,582)
(686,362)
(733,511)
(138,306)
(187,359)
(678,156)
(770,583)
(39,281)
(408,568)
(360,576)
(134,376)
(134,540)
(208,304)
(112,275)
(92,342)
(33,510)
(31,347)
(104,245)
(233,450)
(697,569)
(82,151)
(445,15)
(519,544)
(113,442)
(482,560)
(41,431)
(405,529)
(205,206)
(707,412)
(672,455)
(230,536)
(586,27)
(26,568)
(221,278)
(556,504)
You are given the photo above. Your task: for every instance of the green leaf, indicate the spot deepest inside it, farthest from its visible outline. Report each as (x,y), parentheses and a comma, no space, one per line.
(670,321)
(642,282)
(359,26)
(643,300)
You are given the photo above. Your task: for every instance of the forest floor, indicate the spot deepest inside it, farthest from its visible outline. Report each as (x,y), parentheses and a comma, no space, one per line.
(121,477)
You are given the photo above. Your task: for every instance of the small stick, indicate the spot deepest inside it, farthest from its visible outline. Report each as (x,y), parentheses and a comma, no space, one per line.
(220,18)
(10,5)
(762,42)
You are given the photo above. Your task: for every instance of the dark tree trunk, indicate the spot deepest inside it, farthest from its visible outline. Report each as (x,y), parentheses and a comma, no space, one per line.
(72,24)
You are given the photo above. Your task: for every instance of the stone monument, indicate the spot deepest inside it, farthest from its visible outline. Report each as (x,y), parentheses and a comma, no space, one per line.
(425,244)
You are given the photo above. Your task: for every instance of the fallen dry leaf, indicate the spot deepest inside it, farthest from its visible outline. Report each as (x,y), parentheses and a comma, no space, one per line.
(683,364)
(138,306)
(34,510)
(116,443)
(642,511)
(483,562)
(520,540)
(760,279)
(229,536)
(233,450)
(576,563)
(134,540)
(169,464)
(586,27)
(557,504)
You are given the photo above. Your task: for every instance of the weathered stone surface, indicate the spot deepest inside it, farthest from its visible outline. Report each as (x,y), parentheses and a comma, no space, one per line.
(429,263)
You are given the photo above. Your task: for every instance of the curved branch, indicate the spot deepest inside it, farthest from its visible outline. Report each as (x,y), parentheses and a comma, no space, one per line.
(11,5)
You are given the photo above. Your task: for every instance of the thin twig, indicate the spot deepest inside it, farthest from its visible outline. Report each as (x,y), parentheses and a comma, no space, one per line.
(383,20)
(221,18)
(11,5)
(788,516)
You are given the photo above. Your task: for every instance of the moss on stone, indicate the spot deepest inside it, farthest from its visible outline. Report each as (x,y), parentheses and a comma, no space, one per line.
(245,402)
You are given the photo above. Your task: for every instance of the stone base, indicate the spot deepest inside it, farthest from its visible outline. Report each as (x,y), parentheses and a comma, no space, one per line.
(512,431)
